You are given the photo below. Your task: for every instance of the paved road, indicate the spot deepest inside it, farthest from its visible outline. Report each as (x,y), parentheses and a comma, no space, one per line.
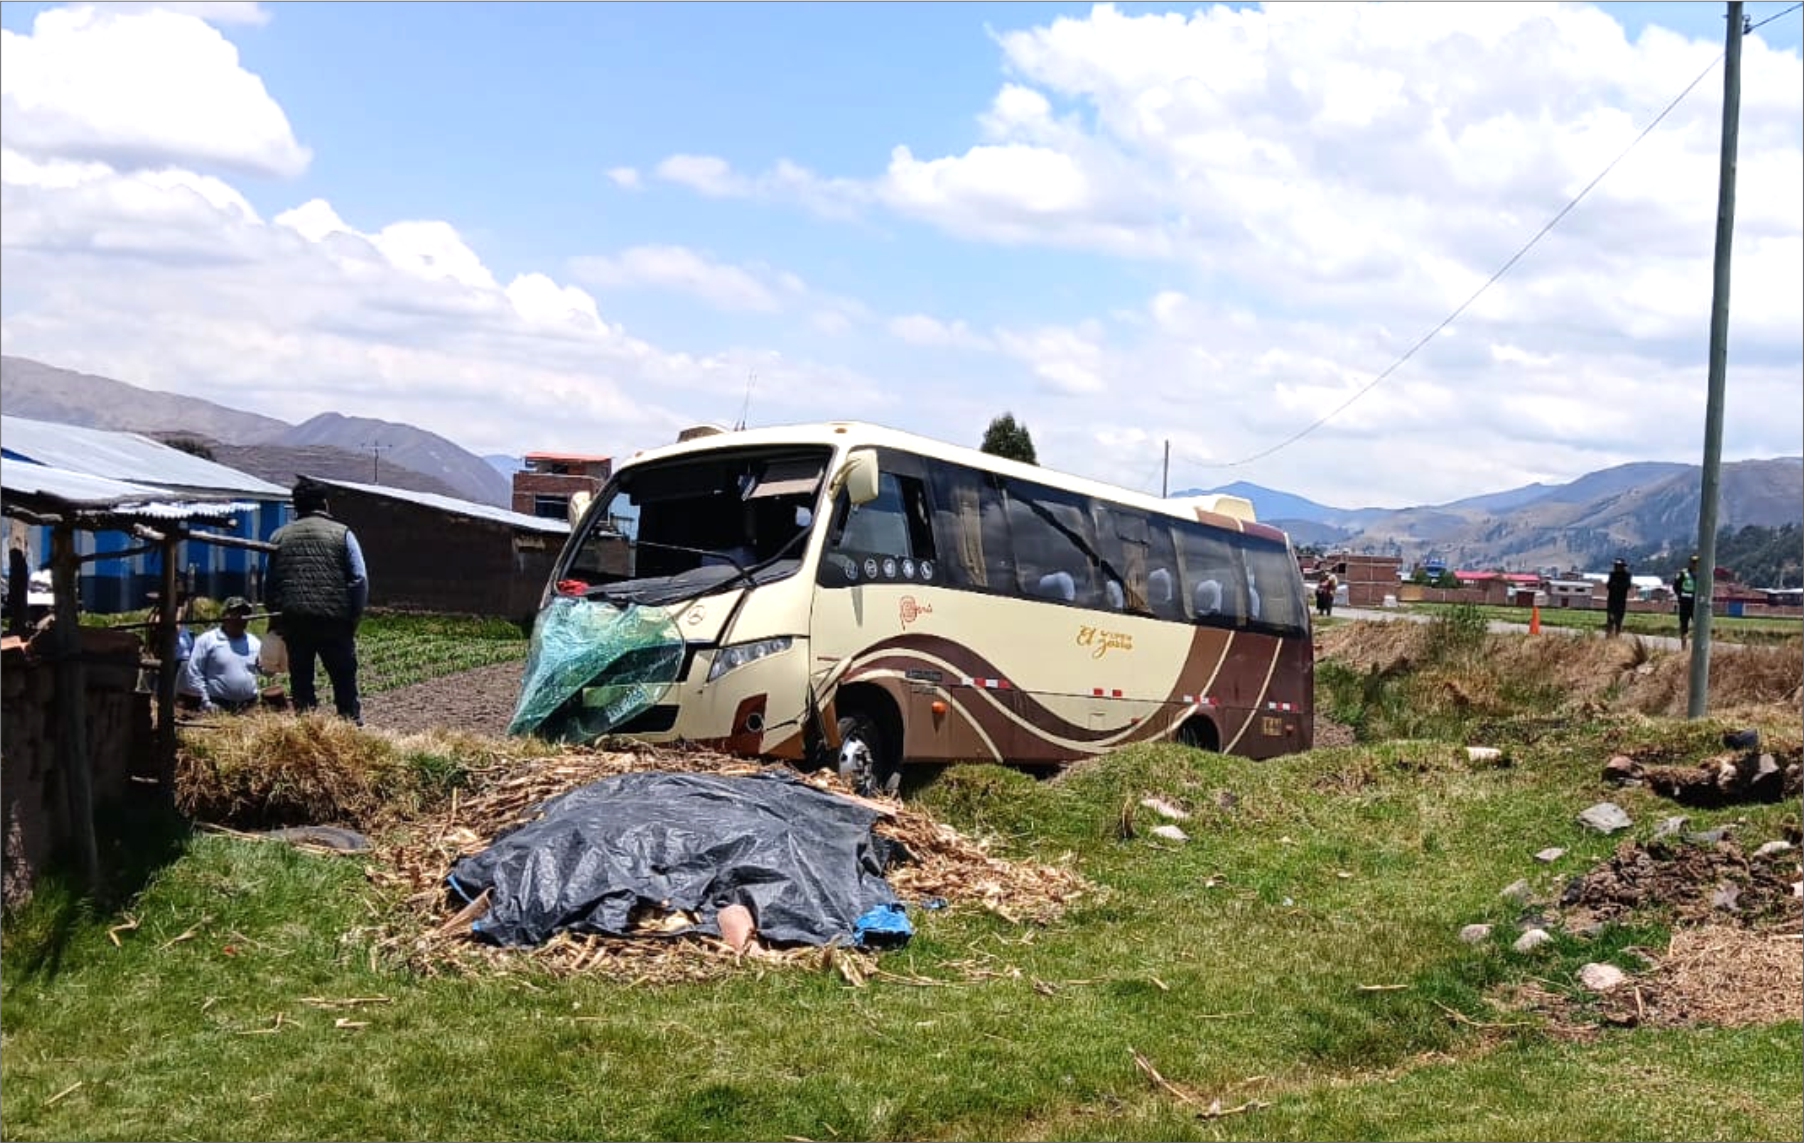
(1505,626)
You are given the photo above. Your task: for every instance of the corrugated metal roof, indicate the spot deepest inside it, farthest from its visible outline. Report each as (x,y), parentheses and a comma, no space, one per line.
(82,491)
(128,457)
(451,504)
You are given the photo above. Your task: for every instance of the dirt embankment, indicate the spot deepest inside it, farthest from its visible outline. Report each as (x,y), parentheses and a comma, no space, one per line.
(1625,674)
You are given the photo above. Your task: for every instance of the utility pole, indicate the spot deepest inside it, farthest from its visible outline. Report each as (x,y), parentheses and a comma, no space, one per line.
(1165,481)
(376,448)
(1698,700)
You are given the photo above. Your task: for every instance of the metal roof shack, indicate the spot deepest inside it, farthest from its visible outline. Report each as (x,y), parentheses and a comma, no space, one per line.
(439,554)
(168,482)
(64,758)
(44,490)
(128,457)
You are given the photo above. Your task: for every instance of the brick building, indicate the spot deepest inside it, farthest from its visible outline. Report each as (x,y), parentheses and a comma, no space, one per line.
(1368,579)
(550,480)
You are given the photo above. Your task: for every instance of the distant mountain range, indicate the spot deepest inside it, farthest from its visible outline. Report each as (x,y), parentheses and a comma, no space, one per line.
(1581,524)
(329,445)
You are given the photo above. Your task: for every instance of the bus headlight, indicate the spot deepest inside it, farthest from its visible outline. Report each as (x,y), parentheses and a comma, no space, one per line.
(731,658)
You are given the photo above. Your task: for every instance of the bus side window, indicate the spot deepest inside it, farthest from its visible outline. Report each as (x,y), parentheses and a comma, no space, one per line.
(970,529)
(1162,590)
(895,529)
(1055,544)
(1121,547)
(877,528)
(1212,575)
(1271,572)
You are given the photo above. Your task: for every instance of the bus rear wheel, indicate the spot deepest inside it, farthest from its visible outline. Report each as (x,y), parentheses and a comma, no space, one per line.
(867,761)
(1199,734)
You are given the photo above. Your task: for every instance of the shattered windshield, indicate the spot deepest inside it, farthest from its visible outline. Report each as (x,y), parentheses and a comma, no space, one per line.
(677,528)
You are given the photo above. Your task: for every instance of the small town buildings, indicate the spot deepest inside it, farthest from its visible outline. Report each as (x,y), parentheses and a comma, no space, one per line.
(557,486)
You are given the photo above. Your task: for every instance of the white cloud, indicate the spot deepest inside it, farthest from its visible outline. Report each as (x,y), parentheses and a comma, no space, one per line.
(1270,207)
(226,12)
(139,88)
(1317,186)
(167,279)
(1067,360)
(921,329)
(714,177)
(684,270)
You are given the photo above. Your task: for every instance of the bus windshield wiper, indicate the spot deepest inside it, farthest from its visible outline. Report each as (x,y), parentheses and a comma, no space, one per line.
(741,571)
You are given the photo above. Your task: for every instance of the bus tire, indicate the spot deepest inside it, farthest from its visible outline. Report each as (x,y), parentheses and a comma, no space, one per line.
(867,760)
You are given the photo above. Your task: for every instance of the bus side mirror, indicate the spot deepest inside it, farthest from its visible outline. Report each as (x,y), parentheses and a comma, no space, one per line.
(861,474)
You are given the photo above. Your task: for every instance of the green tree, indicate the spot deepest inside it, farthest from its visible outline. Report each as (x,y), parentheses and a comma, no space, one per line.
(1005,437)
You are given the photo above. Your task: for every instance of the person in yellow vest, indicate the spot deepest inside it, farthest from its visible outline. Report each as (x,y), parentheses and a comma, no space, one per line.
(1685,587)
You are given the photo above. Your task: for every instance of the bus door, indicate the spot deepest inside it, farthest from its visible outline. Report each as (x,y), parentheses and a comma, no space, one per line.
(875,614)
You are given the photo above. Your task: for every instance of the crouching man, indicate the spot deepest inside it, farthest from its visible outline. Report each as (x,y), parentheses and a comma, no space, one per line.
(223,671)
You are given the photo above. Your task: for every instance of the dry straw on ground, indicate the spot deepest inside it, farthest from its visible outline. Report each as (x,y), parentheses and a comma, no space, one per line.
(431,935)
(1728,976)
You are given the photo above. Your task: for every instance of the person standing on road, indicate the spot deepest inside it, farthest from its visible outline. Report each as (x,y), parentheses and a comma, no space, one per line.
(1685,586)
(1324,594)
(1616,601)
(318,586)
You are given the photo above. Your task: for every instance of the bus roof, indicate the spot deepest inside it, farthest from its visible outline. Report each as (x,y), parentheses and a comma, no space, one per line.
(1226,511)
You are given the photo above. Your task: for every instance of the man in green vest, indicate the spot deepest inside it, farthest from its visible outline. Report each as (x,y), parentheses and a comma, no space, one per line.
(1685,586)
(319,587)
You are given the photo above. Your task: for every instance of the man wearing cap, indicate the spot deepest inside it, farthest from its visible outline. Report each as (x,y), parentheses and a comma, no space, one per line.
(319,585)
(1685,586)
(1616,600)
(222,670)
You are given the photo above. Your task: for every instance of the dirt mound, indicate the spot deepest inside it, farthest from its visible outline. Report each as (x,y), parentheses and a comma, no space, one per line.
(1696,882)
(1728,779)
(1734,956)
(1593,673)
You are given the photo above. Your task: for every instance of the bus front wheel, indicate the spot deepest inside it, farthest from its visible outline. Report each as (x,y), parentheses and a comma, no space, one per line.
(867,761)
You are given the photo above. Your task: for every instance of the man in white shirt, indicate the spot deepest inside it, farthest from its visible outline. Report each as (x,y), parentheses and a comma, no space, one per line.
(222,670)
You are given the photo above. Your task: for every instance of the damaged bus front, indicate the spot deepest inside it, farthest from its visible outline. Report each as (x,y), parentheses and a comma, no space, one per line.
(680,606)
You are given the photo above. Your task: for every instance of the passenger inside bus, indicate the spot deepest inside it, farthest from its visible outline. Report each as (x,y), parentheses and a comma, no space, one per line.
(1208,597)
(1158,589)
(1058,585)
(1117,597)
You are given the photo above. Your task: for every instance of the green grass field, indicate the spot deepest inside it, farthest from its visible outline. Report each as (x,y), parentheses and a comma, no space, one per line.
(1729,629)
(1297,959)
(1293,968)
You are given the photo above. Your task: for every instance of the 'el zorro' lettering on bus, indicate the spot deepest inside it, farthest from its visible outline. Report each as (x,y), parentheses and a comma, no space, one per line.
(1104,641)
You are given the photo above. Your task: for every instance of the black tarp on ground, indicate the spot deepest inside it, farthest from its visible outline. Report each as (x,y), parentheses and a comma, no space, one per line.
(805,862)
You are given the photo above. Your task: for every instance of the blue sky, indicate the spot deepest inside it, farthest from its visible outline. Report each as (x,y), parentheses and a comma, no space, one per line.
(532,226)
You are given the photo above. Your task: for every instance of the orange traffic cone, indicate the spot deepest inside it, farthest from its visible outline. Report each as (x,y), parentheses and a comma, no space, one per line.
(1534,620)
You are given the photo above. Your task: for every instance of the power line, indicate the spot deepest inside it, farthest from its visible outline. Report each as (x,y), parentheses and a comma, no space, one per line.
(1488,283)
(1770,19)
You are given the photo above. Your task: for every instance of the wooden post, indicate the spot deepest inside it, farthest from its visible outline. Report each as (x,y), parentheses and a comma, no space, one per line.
(72,703)
(169,620)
